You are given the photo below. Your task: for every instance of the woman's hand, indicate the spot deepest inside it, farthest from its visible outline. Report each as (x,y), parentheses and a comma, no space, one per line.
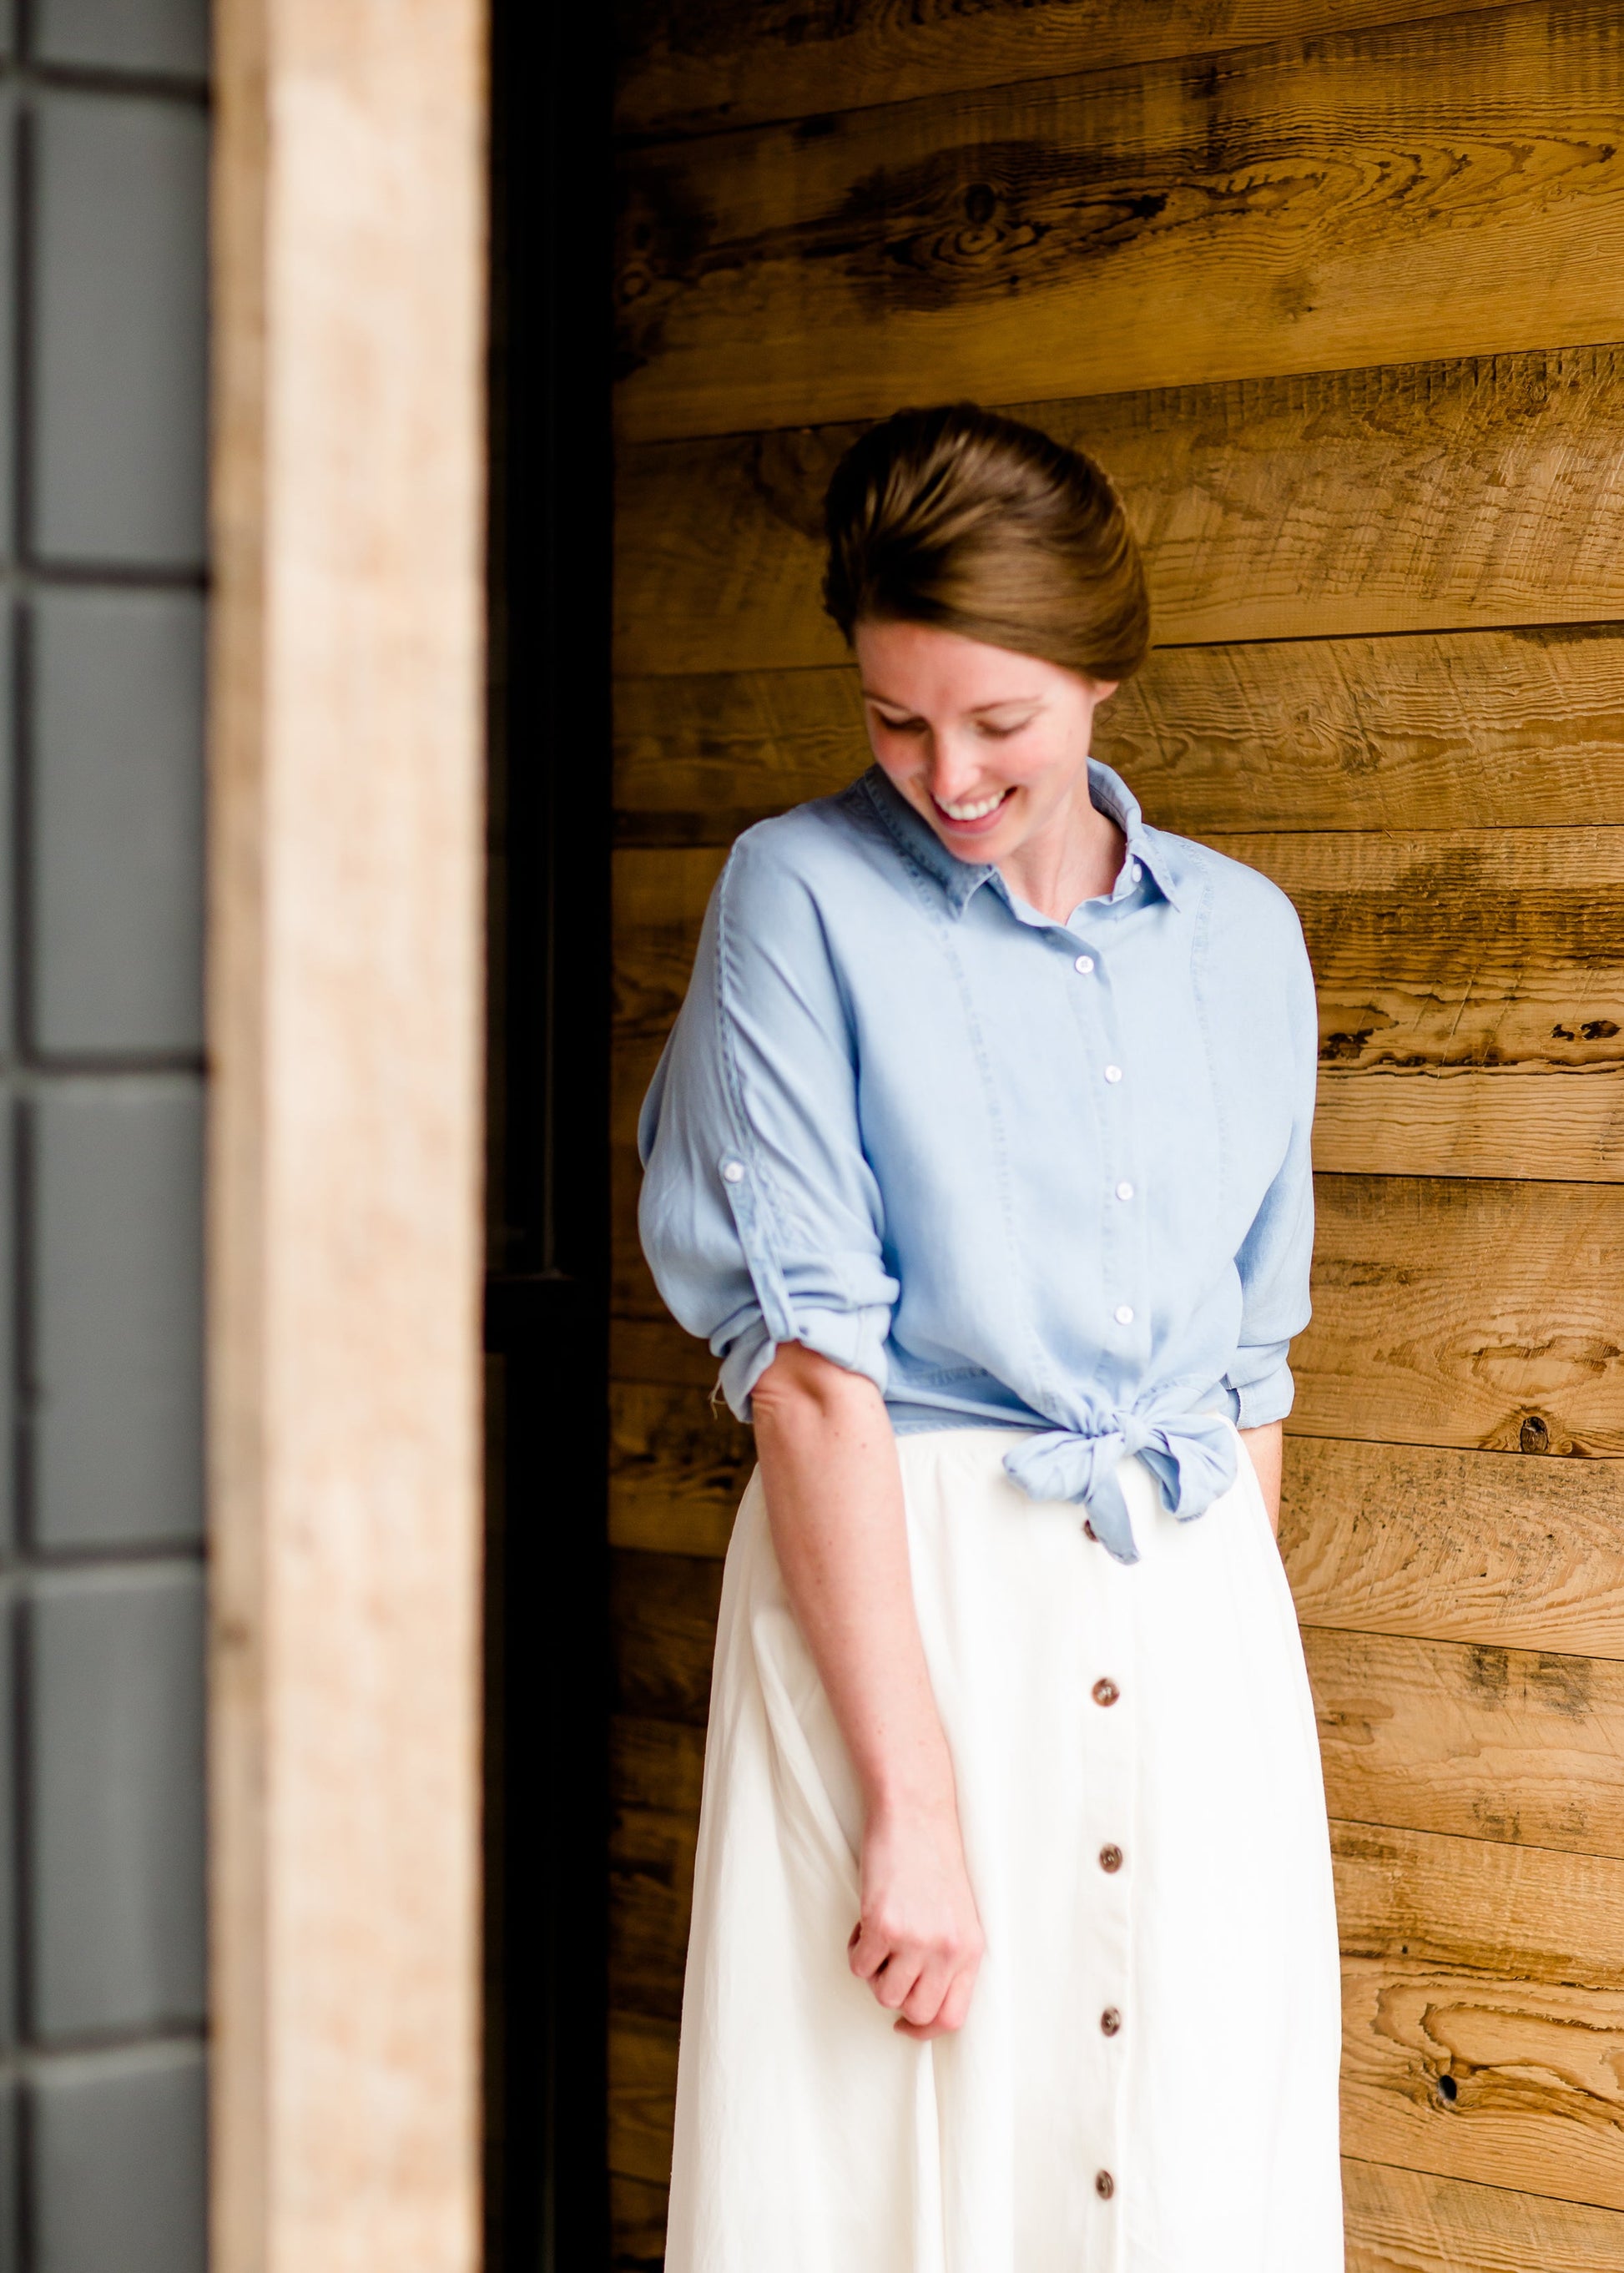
(918,1944)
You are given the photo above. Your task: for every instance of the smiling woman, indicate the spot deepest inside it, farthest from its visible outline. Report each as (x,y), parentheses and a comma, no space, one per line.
(979,1154)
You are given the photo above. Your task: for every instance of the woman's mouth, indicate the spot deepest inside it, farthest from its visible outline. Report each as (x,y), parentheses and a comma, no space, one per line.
(973,816)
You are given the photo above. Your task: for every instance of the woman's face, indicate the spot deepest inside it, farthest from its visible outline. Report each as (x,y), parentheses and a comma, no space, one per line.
(991,746)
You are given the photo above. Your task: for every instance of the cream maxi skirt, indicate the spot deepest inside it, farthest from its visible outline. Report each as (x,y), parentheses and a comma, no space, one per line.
(1147,2082)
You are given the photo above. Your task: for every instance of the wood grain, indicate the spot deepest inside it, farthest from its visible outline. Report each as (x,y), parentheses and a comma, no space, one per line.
(1477,1906)
(1517,1551)
(689,65)
(1499,2081)
(662,1611)
(1463,1123)
(1465,1312)
(677,1466)
(1474,493)
(658,1350)
(637,2225)
(1459,948)
(656,1769)
(1422,189)
(659,905)
(643,2093)
(1476,729)
(1411,2222)
(1470,1739)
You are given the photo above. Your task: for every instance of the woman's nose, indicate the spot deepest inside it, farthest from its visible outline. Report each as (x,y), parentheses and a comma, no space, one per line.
(951,774)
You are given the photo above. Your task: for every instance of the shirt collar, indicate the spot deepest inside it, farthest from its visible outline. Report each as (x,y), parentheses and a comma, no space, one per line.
(961,880)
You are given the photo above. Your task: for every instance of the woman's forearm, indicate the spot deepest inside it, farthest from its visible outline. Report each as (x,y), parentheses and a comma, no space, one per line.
(834,1501)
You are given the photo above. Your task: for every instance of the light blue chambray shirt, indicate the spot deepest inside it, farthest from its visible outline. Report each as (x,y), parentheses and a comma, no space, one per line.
(1018,1171)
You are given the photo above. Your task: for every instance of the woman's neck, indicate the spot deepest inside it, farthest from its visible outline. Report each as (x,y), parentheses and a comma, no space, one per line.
(1077,856)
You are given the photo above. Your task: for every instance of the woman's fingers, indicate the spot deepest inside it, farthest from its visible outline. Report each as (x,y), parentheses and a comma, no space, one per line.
(924,1999)
(934,2013)
(928,1988)
(950,2015)
(868,1949)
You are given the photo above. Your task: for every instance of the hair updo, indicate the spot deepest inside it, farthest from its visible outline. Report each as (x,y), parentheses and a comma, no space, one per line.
(976,524)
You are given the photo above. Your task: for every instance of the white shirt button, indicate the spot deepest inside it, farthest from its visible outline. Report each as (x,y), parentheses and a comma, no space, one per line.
(1085,964)
(1124,1191)
(733,1170)
(1135,873)
(1124,1314)
(1113,1073)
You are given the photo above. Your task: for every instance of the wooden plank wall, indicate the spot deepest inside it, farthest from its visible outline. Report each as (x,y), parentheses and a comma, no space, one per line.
(1335,287)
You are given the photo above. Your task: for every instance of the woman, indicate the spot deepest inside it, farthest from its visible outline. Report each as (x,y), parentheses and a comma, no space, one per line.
(980,1153)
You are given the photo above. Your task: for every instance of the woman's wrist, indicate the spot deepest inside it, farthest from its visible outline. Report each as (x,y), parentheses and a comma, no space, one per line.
(913,1791)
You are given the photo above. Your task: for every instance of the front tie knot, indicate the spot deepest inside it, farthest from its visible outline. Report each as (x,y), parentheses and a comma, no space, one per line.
(1192,1456)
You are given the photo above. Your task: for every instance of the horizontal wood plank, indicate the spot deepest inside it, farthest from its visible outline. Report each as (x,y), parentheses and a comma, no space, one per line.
(1465,1312)
(643,2097)
(1481,1907)
(1474,493)
(1415,190)
(1470,1739)
(1504,2083)
(1513,1550)
(1459,948)
(1412,2222)
(1473,730)
(1467,1124)
(688,66)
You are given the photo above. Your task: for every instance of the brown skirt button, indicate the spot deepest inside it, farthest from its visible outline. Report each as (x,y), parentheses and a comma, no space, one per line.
(1088,1530)
(1106,1692)
(1111,2019)
(1110,1858)
(1104,2185)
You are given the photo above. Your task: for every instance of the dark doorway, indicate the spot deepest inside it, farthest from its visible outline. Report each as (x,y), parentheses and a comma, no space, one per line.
(546,1330)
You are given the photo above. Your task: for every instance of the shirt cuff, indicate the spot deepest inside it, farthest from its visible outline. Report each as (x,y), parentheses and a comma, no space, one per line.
(852,1339)
(1265,1396)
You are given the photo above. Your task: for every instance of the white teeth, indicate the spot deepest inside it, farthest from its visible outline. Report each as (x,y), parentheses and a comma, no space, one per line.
(968,810)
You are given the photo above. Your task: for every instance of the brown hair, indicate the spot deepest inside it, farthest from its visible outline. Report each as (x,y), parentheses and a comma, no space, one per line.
(977,524)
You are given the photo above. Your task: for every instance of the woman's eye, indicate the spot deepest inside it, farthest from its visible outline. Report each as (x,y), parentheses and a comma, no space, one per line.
(1002,733)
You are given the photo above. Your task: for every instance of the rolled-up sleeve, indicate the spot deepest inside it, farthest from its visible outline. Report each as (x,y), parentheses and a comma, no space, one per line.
(1274,1262)
(760,1216)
